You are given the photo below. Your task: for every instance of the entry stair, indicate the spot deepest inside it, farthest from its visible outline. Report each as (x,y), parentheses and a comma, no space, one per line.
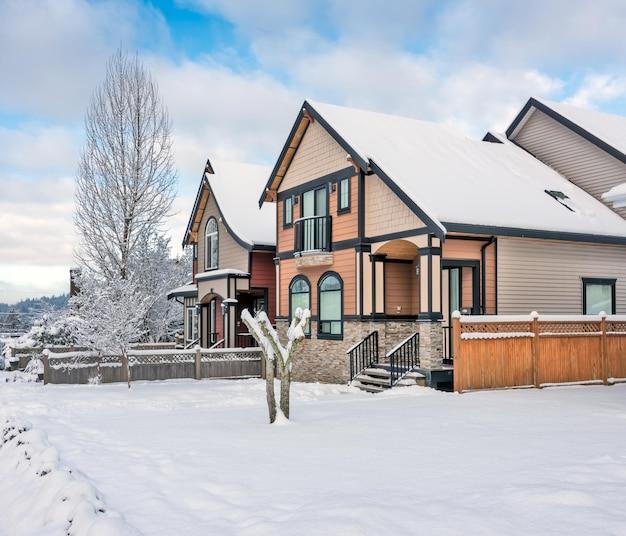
(399,368)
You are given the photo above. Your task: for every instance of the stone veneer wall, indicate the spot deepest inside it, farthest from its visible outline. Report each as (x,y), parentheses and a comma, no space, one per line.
(326,361)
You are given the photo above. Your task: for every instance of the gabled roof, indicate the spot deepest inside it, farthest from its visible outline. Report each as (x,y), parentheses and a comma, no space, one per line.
(606,131)
(454,183)
(234,186)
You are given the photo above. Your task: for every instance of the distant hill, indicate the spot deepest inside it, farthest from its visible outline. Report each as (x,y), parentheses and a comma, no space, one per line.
(18,317)
(36,304)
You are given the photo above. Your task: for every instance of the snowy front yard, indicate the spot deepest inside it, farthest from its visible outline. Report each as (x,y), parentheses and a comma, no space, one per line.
(186,457)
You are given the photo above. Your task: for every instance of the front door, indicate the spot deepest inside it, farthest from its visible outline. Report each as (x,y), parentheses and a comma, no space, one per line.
(460,283)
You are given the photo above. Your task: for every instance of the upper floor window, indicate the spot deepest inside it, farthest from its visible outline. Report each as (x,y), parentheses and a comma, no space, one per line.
(210,245)
(343,195)
(299,296)
(598,296)
(288,212)
(330,306)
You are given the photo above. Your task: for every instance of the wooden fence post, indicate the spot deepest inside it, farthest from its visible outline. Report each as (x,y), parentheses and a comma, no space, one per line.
(198,360)
(456,348)
(534,326)
(46,366)
(603,349)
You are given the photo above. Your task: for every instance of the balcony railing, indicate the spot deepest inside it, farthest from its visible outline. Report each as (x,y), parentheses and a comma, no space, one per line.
(312,234)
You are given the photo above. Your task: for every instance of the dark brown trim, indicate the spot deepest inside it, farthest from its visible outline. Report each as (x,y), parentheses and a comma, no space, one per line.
(533,233)
(313,184)
(534,103)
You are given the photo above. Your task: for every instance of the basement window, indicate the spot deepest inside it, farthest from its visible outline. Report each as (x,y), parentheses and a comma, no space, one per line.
(560,198)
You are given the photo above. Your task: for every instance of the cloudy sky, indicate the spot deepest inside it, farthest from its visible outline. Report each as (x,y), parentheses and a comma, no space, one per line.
(234,72)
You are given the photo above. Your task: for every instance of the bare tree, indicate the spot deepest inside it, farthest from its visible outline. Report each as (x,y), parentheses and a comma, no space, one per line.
(262,330)
(126,178)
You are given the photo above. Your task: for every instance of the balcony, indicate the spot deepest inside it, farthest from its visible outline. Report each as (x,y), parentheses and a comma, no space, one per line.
(312,241)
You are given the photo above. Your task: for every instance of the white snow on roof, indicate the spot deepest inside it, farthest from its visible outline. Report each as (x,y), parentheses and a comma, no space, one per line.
(183,290)
(455,179)
(609,128)
(616,195)
(220,273)
(236,187)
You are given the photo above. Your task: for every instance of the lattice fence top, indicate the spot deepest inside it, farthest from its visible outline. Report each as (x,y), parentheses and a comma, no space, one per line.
(616,327)
(231,355)
(565,328)
(173,358)
(495,327)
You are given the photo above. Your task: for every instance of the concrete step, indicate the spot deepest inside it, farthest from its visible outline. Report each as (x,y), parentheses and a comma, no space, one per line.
(377,372)
(368,388)
(373,380)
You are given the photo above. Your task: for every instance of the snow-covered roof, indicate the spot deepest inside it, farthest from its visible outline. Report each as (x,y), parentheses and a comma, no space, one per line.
(616,195)
(236,187)
(216,274)
(457,180)
(186,290)
(609,128)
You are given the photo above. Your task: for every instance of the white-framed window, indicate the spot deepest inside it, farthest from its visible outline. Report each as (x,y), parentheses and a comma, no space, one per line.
(192,324)
(211,245)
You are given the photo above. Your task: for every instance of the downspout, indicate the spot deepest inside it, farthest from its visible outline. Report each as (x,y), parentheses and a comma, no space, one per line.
(483,273)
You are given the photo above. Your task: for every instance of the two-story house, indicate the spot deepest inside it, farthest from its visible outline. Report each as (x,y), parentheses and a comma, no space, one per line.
(233,256)
(388,224)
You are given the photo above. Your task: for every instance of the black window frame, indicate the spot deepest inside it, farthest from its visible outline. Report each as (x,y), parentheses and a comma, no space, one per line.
(330,336)
(340,209)
(300,277)
(291,199)
(599,281)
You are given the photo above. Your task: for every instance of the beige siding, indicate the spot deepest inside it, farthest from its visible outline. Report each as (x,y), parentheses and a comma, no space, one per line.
(571,155)
(230,253)
(546,275)
(384,210)
(318,154)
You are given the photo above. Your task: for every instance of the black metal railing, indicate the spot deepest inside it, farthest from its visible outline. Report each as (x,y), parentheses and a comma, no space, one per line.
(363,354)
(312,234)
(448,354)
(404,357)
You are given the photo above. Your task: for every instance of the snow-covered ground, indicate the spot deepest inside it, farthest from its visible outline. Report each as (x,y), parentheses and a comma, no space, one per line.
(186,457)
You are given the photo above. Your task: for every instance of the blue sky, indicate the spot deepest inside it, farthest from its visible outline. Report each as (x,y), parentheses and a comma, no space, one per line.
(233,74)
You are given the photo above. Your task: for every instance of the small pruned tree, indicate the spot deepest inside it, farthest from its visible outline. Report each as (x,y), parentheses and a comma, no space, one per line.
(274,352)
(109,316)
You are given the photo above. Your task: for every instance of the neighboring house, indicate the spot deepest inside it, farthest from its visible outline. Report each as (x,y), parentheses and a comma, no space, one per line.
(234,248)
(389,224)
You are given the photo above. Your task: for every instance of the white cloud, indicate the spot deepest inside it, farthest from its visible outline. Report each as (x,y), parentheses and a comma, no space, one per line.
(597,89)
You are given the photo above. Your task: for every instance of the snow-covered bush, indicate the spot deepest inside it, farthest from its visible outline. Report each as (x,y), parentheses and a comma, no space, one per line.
(50,498)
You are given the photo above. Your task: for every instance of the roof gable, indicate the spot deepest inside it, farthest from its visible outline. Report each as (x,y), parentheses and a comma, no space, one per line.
(449,180)
(606,131)
(233,187)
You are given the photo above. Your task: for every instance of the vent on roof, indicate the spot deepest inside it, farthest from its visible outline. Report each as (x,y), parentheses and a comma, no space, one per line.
(560,197)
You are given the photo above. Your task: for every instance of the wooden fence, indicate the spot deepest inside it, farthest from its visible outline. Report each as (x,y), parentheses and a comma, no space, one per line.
(91,367)
(534,350)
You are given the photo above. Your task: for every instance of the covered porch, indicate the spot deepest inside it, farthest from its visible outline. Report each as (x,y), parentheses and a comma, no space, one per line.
(411,287)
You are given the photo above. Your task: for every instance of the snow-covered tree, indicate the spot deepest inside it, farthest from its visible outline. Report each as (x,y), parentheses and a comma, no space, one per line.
(109,315)
(126,179)
(274,352)
(156,274)
(54,328)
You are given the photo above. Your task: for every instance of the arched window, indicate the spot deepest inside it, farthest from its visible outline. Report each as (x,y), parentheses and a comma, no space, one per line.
(210,245)
(330,292)
(299,296)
